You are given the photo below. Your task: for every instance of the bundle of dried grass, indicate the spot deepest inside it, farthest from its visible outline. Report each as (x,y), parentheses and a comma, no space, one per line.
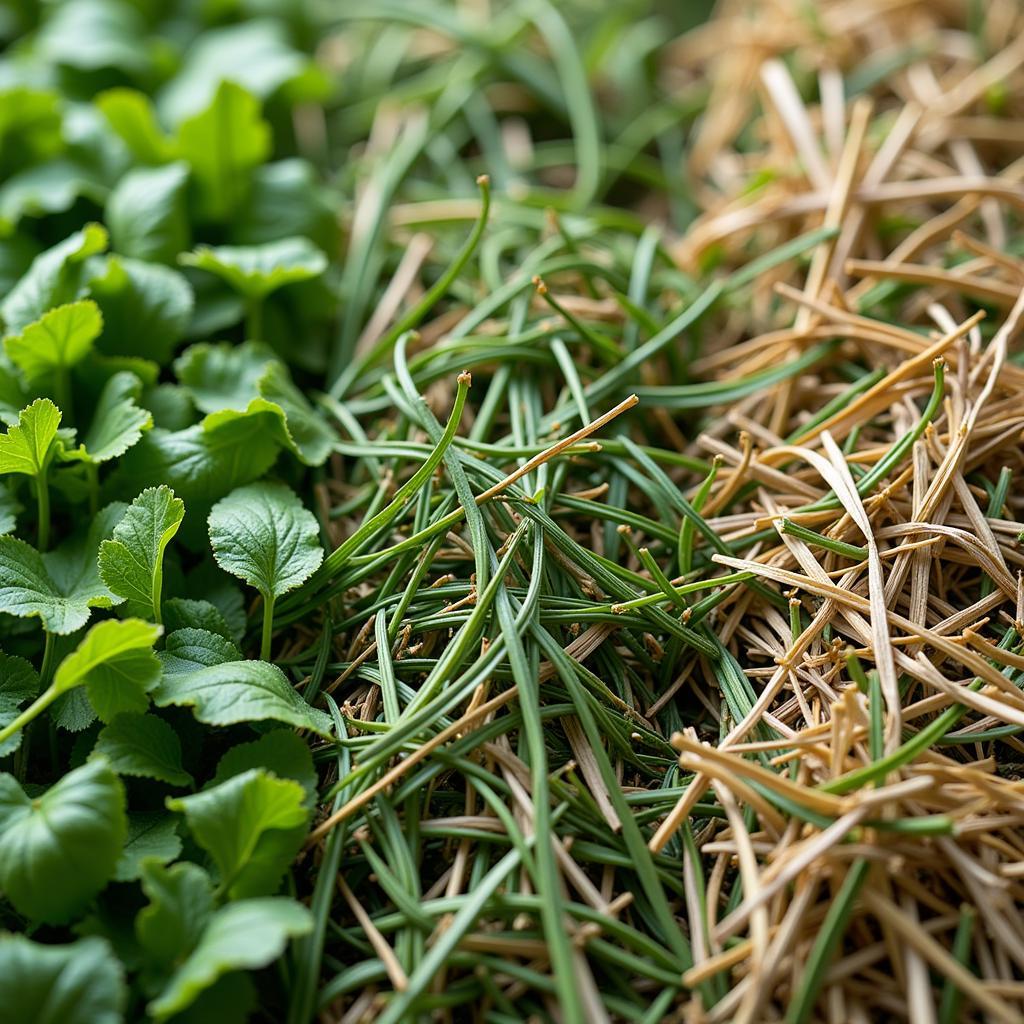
(873,808)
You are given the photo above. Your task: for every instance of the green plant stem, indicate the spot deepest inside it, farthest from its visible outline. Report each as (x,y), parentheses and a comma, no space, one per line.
(254,319)
(337,558)
(46,670)
(268,626)
(829,936)
(157,591)
(62,390)
(33,711)
(840,547)
(43,509)
(949,1006)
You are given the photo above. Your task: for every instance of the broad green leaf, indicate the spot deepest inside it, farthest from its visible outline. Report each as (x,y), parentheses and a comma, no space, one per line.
(92,374)
(54,278)
(218,309)
(142,745)
(313,440)
(186,613)
(147,213)
(78,983)
(255,54)
(72,568)
(223,144)
(55,342)
(58,850)
(115,661)
(96,34)
(9,509)
(170,926)
(30,127)
(29,447)
(287,198)
(117,421)
(14,394)
(257,270)
(72,711)
(28,588)
(19,682)
(131,564)
(152,836)
(223,376)
(281,751)
(91,143)
(190,649)
(199,672)
(146,308)
(204,462)
(131,115)
(252,826)
(231,999)
(240,936)
(221,590)
(53,187)
(266,536)
(170,405)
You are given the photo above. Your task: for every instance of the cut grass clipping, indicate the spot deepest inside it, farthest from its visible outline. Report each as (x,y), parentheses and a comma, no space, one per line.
(509,512)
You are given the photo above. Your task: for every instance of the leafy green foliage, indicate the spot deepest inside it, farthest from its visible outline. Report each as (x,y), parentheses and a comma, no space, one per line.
(260,57)
(57,341)
(30,446)
(115,661)
(78,983)
(147,213)
(264,535)
(205,461)
(128,390)
(203,671)
(223,144)
(281,751)
(251,825)
(257,270)
(184,613)
(48,587)
(152,838)
(59,849)
(310,437)
(181,901)
(132,116)
(131,563)
(118,421)
(223,376)
(142,745)
(19,682)
(230,377)
(245,935)
(54,278)
(146,308)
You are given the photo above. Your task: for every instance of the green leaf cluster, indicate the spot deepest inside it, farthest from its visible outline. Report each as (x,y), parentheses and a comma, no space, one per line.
(162,244)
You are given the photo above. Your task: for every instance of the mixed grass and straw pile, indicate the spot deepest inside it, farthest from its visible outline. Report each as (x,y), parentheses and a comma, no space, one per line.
(710,713)
(654,373)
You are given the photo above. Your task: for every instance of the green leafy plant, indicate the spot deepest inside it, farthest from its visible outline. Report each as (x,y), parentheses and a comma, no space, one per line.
(131,563)
(154,230)
(28,448)
(263,534)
